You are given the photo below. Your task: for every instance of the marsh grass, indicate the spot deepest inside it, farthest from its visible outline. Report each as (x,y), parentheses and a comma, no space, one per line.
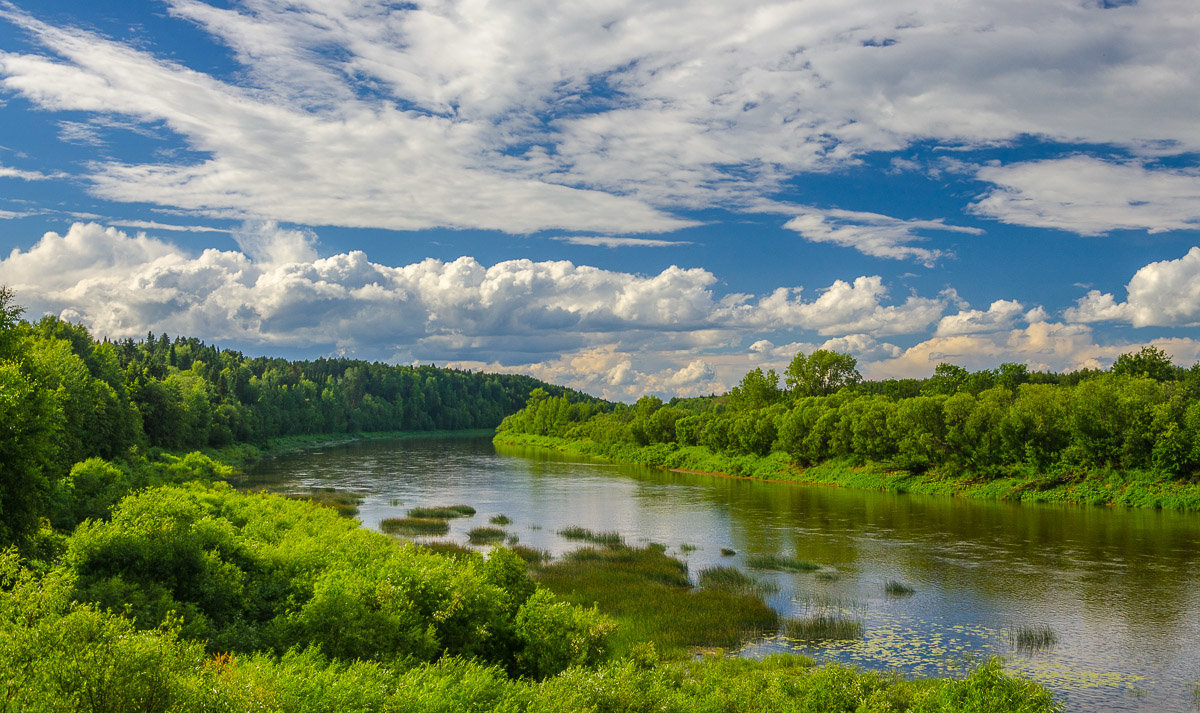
(734,581)
(649,594)
(609,539)
(448,549)
(485,535)
(827,619)
(728,552)
(442,512)
(512,540)
(1031,638)
(500,520)
(896,588)
(828,576)
(414,526)
(531,555)
(780,563)
(685,548)
(345,504)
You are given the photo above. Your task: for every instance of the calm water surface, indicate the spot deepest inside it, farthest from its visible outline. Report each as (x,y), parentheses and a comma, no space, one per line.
(1119,588)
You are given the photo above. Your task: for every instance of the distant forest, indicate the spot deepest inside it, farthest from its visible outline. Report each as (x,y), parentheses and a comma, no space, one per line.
(1143,414)
(66,397)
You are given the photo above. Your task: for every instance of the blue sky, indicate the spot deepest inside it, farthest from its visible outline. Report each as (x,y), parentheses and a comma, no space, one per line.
(624,197)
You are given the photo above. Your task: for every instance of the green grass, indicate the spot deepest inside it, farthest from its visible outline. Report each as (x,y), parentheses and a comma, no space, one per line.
(780,563)
(345,504)
(442,512)
(650,596)
(500,520)
(1030,638)
(414,526)
(531,555)
(734,581)
(685,548)
(824,626)
(728,552)
(448,549)
(485,535)
(895,588)
(574,532)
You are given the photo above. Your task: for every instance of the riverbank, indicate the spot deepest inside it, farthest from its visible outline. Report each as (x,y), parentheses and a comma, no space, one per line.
(1142,489)
(243,455)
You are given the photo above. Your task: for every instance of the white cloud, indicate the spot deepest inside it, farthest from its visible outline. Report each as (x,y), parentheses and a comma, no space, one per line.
(155,225)
(617,114)
(1042,346)
(603,241)
(276,292)
(872,234)
(1091,196)
(9,172)
(1162,294)
(999,315)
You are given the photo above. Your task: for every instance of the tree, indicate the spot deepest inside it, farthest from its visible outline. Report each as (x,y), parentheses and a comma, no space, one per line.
(10,315)
(821,374)
(1150,362)
(756,390)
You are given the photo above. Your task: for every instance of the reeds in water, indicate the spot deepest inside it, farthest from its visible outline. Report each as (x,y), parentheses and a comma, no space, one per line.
(827,619)
(896,588)
(500,520)
(485,535)
(442,512)
(609,539)
(346,504)
(414,526)
(1030,638)
(734,581)
(780,563)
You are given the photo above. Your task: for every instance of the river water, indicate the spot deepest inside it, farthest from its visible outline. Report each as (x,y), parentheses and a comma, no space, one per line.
(1119,589)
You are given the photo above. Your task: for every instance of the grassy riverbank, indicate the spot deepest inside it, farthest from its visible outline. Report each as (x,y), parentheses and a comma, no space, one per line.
(242,455)
(1133,488)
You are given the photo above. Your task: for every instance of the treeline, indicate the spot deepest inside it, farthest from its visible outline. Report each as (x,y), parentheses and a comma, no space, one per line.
(66,397)
(1143,414)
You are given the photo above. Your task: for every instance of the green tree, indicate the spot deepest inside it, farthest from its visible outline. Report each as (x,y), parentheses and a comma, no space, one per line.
(756,390)
(1150,362)
(821,373)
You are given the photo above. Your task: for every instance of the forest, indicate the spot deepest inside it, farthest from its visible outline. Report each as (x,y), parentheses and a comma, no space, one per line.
(1140,419)
(132,578)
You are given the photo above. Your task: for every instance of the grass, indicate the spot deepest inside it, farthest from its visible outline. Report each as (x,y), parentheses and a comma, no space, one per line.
(448,549)
(1030,638)
(346,504)
(828,576)
(574,532)
(512,540)
(780,563)
(531,555)
(728,552)
(414,526)
(442,512)
(895,588)
(734,581)
(685,548)
(651,597)
(485,535)
(500,520)
(824,626)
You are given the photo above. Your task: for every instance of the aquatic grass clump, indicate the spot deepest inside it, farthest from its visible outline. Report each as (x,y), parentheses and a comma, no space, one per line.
(828,576)
(448,549)
(728,552)
(610,539)
(442,512)
(826,625)
(1030,638)
(345,504)
(734,581)
(780,563)
(685,548)
(414,526)
(500,520)
(650,595)
(530,555)
(896,588)
(485,535)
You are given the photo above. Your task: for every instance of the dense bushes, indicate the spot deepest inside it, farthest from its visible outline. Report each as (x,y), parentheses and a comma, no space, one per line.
(984,424)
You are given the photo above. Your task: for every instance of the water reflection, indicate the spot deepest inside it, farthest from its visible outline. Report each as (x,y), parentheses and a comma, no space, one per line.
(1117,587)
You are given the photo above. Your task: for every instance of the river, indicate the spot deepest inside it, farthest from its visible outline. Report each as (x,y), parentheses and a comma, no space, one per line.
(1119,589)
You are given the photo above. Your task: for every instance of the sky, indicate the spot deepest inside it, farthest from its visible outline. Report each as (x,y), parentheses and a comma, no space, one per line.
(621,196)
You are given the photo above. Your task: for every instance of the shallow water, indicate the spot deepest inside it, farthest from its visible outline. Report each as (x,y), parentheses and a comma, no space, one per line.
(1119,588)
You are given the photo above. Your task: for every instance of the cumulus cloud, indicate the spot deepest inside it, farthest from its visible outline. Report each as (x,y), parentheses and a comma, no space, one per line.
(1042,346)
(999,315)
(622,113)
(1162,294)
(873,234)
(276,290)
(1090,196)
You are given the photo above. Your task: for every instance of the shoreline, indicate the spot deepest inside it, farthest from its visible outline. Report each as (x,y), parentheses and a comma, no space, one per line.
(1132,489)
